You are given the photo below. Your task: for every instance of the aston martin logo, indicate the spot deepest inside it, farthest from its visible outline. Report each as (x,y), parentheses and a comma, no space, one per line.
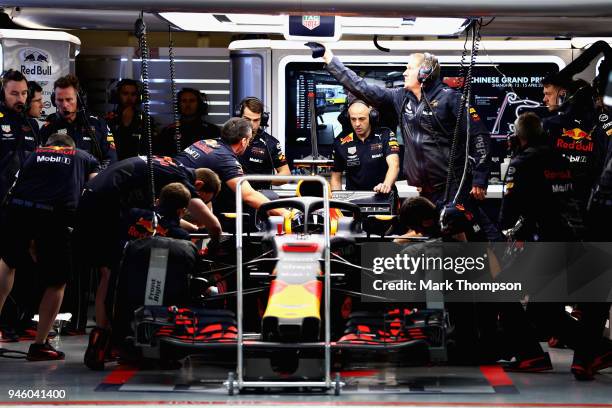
(311,22)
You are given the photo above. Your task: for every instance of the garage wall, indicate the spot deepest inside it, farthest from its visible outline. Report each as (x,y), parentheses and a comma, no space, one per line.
(205,69)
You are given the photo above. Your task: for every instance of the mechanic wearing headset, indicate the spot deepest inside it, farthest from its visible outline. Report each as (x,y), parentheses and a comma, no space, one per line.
(90,133)
(369,155)
(264,154)
(126,120)
(427,110)
(571,132)
(193,108)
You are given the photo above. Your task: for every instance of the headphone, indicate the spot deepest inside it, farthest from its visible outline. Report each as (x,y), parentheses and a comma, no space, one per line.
(80,95)
(114,92)
(265,116)
(345,119)
(428,67)
(5,78)
(201,98)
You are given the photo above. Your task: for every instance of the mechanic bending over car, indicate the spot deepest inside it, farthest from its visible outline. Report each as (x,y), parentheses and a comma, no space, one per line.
(369,155)
(122,186)
(221,156)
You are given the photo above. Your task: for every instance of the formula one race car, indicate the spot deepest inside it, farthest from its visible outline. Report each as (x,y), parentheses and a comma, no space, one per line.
(283,274)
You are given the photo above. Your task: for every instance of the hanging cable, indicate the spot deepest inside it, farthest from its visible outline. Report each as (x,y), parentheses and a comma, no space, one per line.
(463,107)
(140,29)
(468,94)
(175,110)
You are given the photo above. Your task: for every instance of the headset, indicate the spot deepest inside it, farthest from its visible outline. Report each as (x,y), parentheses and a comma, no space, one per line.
(81,109)
(345,120)
(114,93)
(265,116)
(429,65)
(80,95)
(201,98)
(265,119)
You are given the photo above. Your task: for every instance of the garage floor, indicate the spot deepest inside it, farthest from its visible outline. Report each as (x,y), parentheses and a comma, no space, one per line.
(199,383)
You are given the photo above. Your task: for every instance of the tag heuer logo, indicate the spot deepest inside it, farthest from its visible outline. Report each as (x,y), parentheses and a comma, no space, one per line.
(311,22)
(6,128)
(352,150)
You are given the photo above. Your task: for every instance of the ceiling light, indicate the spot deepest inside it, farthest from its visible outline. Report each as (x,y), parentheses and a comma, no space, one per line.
(276,24)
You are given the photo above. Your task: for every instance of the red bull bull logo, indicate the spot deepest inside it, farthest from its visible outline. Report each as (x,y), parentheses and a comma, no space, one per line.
(576,134)
(346,139)
(144,228)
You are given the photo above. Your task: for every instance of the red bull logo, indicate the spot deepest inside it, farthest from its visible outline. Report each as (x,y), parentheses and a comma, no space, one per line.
(144,228)
(576,134)
(346,139)
(575,145)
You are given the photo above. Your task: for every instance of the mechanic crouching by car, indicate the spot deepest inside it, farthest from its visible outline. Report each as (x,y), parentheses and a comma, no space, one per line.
(369,155)
(40,217)
(475,336)
(105,201)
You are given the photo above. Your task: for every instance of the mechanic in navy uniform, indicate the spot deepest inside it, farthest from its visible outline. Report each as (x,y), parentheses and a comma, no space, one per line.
(264,155)
(90,133)
(18,133)
(369,155)
(427,110)
(170,209)
(538,183)
(41,210)
(106,200)
(221,156)
(570,132)
(193,108)
(126,120)
(599,211)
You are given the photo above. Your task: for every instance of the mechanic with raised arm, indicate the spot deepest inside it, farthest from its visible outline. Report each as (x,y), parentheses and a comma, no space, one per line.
(427,110)
(40,216)
(369,155)
(221,156)
(90,133)
(264,155)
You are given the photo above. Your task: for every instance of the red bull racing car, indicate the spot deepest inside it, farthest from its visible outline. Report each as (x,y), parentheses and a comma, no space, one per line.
(282,314)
